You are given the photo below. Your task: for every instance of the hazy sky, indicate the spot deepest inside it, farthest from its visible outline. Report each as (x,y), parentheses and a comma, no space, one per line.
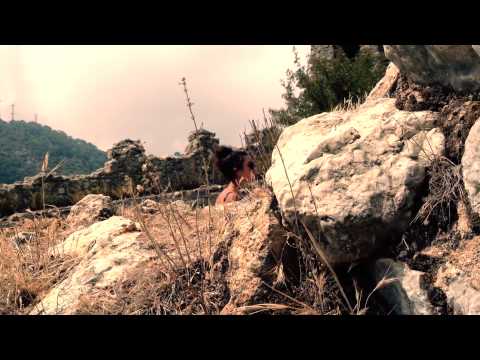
(103,94)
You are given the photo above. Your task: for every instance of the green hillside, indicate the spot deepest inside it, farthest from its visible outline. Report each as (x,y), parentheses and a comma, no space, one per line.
(23,145)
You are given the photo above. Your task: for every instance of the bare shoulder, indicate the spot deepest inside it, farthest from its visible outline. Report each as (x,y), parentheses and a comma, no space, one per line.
(225,196)
(230,197)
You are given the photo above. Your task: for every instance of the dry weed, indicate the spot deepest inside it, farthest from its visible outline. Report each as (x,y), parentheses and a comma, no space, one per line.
(445,189)
(29,266)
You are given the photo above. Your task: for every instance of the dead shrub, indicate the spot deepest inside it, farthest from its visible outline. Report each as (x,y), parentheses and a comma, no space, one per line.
(152,291)
(445,189)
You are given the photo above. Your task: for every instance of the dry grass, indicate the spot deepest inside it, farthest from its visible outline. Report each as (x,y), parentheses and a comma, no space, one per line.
(28,269)
(350,104)
(151,291)
(445,189)
(182,279)
(187,277)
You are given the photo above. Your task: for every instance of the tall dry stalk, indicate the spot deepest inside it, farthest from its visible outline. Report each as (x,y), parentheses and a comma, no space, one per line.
(183,83)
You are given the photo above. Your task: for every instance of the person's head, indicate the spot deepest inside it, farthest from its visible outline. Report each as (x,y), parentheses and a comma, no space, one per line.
(235,165)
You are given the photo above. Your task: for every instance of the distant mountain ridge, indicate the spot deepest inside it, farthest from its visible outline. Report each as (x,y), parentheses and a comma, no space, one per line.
(24,144)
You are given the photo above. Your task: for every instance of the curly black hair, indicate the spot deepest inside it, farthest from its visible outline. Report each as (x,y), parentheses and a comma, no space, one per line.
(229,161)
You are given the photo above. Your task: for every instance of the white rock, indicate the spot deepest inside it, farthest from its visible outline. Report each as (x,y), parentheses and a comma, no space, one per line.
(471,167)
(107,251)
(92,208)
(386,84)
(354,175)
(82,241)
(461,295)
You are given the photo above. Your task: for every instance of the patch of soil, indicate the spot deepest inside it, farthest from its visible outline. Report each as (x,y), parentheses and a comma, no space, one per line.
(456,120)
(414,97)
(467,258)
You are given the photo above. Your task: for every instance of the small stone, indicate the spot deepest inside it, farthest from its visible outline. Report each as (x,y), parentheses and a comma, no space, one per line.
(406,294)
(90,209)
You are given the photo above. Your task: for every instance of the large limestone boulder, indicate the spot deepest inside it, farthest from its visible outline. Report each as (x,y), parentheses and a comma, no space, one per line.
(107,251)
(471,167)
(455,66)
(92,208)
(353,177)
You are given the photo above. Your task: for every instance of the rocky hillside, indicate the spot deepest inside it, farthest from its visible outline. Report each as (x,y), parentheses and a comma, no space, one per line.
(371,209)
(24,144)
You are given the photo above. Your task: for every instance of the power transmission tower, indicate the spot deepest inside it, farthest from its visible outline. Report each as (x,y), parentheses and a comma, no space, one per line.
(13,112)
(36,118)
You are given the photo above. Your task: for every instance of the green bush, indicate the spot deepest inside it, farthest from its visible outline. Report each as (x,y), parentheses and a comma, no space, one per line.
(323,84)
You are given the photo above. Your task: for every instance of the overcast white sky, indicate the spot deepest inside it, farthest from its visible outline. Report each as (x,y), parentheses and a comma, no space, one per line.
(103,94)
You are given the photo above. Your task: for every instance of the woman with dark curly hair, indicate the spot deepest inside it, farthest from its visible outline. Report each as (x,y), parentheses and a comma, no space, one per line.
(237,167)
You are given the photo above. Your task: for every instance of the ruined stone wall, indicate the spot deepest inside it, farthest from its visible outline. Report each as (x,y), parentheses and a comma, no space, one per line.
(126,160)
(185,172)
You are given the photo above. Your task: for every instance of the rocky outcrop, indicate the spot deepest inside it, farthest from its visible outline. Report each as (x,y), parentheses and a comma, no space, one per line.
(246,239)
(458,277)
(92,208)
(386,85)
(463,298)
(356,178)
(471,168)
(405,293)
(107,251)
(127,163)
(353,177)
(453,66)
(256,240)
